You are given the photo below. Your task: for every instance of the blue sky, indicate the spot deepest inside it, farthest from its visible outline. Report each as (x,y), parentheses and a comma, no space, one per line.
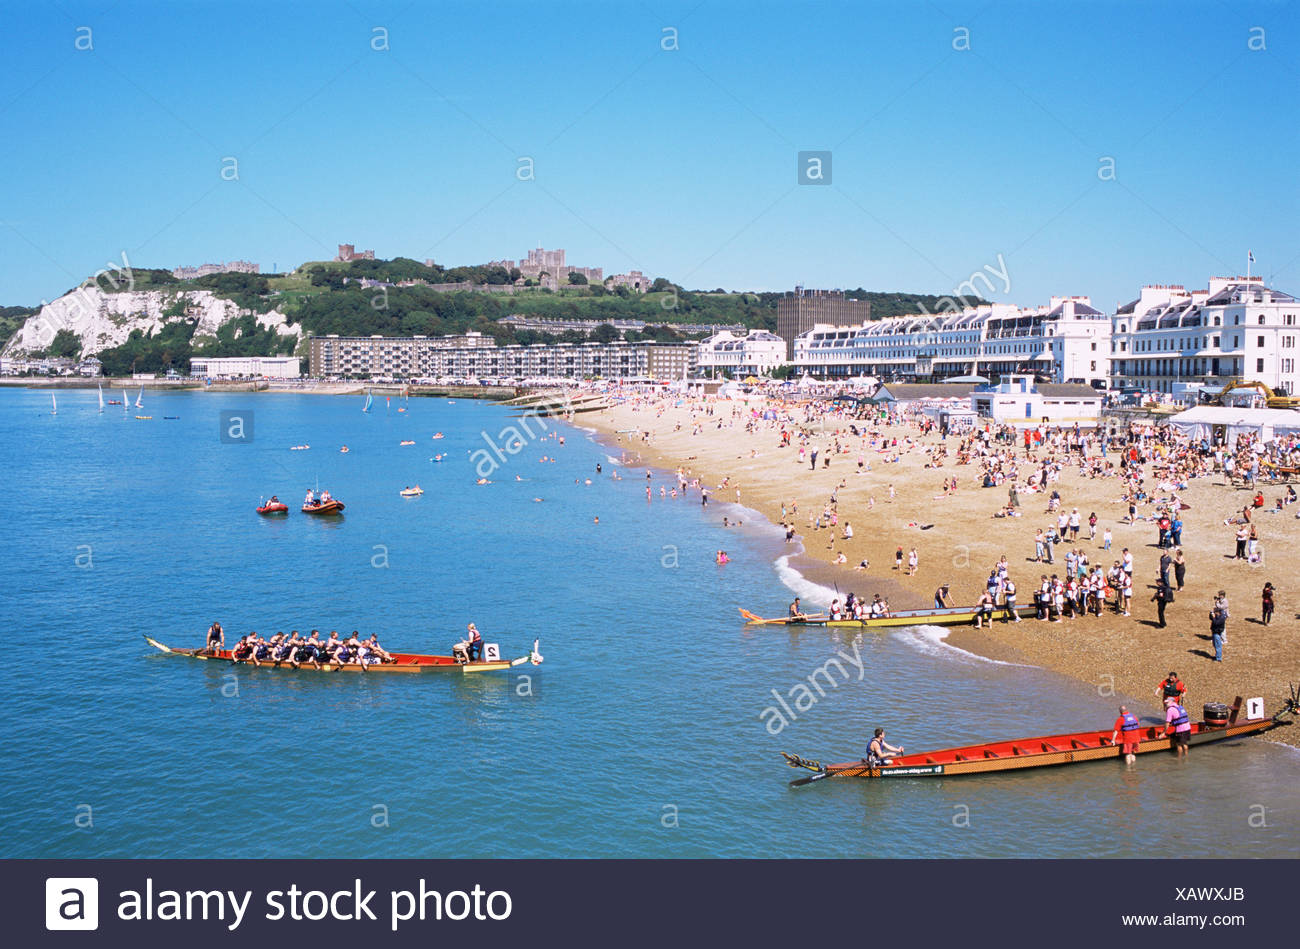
(678,162)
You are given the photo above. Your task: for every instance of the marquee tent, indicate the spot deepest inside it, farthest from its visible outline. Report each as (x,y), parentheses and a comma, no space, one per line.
(1202,421)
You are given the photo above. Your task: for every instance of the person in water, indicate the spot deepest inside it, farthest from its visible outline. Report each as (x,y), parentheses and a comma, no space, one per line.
(879,751)
(1127,725)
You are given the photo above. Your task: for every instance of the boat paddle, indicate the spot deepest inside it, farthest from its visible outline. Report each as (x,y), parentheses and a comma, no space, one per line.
(756,620)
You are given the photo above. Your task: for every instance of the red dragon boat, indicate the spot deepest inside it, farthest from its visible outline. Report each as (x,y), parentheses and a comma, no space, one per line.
(1049,750)
(406,662)
(327,507)
(273,507)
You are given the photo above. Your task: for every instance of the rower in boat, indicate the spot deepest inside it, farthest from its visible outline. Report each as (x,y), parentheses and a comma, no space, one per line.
(879,751)
(216,638)
(335,650)
(835,612)
(376,650)
(243,650)
(795,612)
(311,649)
(475,640)
(261,649)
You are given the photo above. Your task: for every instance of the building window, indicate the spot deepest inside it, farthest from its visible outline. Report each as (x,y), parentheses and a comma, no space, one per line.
(1259,365)
(1260,341)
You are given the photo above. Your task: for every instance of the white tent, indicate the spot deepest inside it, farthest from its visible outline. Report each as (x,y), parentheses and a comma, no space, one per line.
(1202,421)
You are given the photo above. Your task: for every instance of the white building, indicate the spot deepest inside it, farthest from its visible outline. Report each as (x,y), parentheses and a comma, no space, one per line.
(755,353)
(1018,400)
(1067,340)
(1235,328)
(244,367)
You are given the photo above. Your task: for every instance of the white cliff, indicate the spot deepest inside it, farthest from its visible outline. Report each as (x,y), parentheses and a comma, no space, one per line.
(103,320)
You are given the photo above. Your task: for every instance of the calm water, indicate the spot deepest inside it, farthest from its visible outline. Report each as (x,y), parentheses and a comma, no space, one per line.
(644,731)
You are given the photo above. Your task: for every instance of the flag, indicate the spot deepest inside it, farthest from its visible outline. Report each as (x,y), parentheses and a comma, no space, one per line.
(1250,257)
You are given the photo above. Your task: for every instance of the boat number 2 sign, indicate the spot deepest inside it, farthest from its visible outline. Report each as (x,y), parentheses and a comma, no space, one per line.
(493,654)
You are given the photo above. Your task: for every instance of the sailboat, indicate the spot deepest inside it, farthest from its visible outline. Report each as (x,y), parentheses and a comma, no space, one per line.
(139,399)
(101,398)
(369,398)
(55,403)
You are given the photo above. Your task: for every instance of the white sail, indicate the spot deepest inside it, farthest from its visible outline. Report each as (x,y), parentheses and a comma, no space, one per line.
(369,399)
(139,399)
(101,398)
(55,403)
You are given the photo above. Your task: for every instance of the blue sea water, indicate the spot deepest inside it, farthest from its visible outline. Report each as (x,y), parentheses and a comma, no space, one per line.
(646,732)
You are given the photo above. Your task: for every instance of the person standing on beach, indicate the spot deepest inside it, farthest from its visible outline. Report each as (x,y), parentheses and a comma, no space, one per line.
(1162,598)
(898,559)
(1218,631)
(1092,526)
(813,467)
(1009,598)
(1166,562)
(1105,539)
(1243,533)
(912,560)
(941,598)
(1128,725)
(1180,568)
(1171,687)
(1266,603)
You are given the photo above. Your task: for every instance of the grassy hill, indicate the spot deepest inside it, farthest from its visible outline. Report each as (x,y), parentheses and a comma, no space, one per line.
(326,297)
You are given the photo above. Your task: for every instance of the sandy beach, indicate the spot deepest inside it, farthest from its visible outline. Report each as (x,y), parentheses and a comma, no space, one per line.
(958,540)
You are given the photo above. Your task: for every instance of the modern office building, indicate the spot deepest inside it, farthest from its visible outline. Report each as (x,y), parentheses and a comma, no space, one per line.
(1235,328)
(753,353)
(477,357)
(246,367)
(800,311)
(1068,339)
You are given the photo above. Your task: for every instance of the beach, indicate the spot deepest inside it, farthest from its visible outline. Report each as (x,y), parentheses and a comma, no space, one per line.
(904,504)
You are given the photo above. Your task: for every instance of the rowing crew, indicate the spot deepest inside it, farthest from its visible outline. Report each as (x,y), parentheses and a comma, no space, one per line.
(857,608)
(296,649)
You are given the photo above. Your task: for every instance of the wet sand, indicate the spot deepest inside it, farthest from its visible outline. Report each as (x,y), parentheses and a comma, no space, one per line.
(1117,655)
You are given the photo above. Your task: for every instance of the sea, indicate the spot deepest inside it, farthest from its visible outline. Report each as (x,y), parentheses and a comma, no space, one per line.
(653,728)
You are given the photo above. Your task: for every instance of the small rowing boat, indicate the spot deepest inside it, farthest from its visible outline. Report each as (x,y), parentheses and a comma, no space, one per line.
(414,492)
(407,442)
(1045,751)
(327,507)
(952,616)
(403,661)
(273,507)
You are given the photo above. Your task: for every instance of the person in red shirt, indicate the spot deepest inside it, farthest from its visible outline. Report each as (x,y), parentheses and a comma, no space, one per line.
(1127,725)
(1171,688)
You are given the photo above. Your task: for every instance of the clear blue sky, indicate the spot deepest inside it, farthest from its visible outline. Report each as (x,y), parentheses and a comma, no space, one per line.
(680,163)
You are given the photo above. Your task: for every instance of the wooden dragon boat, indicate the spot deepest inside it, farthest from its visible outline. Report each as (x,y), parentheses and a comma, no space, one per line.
(403,661)
(951,616)
(1047,750)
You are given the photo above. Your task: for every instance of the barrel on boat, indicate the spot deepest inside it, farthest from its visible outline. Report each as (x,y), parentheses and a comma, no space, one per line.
(1216,715)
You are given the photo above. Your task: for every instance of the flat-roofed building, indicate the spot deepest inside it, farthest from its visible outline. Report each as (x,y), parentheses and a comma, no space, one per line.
(800,311)
(246,367)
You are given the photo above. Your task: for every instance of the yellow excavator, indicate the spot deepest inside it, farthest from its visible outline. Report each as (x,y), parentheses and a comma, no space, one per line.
(1272,400)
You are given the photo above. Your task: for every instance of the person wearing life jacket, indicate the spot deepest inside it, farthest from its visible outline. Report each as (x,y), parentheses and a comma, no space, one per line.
(475,642)
(879,751)
(216,638)
(1171,688)
(1128,726)
(1178,726)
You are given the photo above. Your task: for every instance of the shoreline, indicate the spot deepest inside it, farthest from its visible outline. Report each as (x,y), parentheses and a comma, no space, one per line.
(1116,655)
